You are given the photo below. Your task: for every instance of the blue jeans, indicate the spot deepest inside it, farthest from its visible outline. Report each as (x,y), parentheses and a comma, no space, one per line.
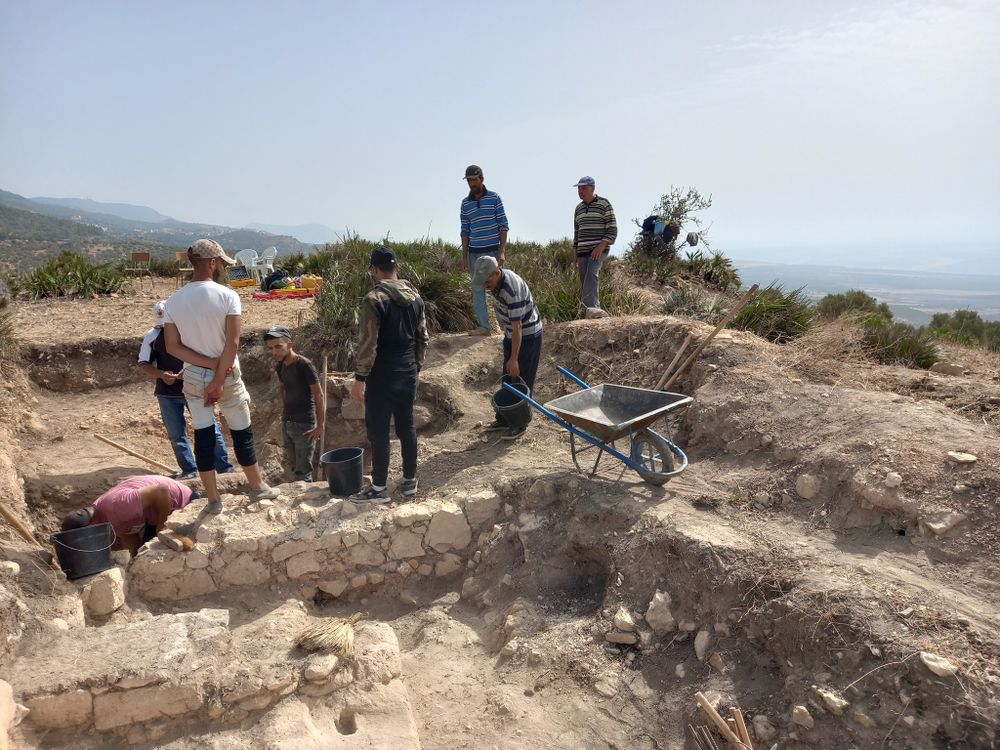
(479,292)
(172,411)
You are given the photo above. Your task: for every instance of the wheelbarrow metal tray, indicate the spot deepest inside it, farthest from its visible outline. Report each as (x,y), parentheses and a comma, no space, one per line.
(608,411)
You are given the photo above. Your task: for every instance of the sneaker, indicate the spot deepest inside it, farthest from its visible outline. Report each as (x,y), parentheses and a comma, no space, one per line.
(496,425)
(264,493)
(213,508)
(170,540)
(372,495)
(409,487)
(185,475)
(230,470)
(513,433)
(481,332)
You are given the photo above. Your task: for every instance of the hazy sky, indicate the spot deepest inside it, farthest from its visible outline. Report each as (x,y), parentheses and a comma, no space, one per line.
(814,123)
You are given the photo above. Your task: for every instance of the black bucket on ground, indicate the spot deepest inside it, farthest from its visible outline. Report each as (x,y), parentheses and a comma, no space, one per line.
(84,551)
(344,469)
(510,407)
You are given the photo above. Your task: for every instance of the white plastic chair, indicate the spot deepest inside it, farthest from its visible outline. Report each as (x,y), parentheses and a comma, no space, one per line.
(264,264)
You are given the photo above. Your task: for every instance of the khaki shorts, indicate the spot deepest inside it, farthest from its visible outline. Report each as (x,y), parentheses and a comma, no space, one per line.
(234,403)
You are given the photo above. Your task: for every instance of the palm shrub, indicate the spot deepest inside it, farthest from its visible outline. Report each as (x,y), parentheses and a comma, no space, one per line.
(899,343)
(852,301)
(966,327)
(776,315)
(9,344)
(695,302)
(69,275)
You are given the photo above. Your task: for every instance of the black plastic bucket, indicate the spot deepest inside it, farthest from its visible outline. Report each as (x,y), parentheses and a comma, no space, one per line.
(84,551)
(510,407)
(344,469)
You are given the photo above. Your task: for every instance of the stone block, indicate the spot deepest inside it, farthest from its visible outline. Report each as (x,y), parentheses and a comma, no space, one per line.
(331,540)
(447,565)
(70,709)
(333,588)
(245,571)
(195,583)
(658,614)
(449,529)
(808,486)
(240,544)
(359,581)
(289,549)
(351,538)
(370,535)
(8,713)
(119,709)
(196,559)
(406,544)
(300,565)
(947,368)
(408,515)
(104,593)
(541,494)
(422,417)
(481,508)
(365,554)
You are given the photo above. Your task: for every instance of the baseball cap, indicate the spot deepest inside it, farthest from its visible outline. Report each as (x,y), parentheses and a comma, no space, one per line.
(484,268)
(210,249)
(383,256)
(473,171)
(159,313)
(585,181)
(277,332)
(77,519)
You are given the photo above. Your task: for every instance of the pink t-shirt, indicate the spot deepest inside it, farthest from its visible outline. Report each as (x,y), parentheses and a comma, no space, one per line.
(121,507)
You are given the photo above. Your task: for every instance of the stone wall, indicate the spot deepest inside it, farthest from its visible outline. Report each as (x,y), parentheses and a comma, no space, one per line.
(328,545)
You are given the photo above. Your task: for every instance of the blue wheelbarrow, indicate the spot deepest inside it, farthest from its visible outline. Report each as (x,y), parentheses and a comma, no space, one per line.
(596,417)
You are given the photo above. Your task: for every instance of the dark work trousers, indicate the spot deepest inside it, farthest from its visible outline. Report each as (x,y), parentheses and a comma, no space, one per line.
(391,397)
(527,360)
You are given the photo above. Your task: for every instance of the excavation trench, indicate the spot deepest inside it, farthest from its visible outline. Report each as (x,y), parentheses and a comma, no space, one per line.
(511,605)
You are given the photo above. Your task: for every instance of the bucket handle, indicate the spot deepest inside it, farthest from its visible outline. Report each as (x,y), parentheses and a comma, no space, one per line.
(114,539)
(515,381)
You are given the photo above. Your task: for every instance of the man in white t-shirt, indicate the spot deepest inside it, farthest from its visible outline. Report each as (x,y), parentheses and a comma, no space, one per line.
(202,328)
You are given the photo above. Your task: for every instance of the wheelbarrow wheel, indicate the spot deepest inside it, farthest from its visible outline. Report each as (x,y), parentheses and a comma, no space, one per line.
(653,453)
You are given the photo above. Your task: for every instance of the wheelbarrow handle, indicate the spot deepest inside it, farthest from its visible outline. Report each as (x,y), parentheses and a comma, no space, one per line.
(572,377)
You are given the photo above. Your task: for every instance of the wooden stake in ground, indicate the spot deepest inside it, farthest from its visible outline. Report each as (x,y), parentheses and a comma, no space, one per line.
(666,373)
(22,530)
(119,446)
(744,300)
(719,722)
(320,472)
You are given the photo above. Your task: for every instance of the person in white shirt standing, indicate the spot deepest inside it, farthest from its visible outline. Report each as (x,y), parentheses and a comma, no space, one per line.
(202,328)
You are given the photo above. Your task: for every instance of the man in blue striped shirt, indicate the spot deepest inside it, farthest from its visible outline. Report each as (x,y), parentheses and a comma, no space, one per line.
(484,233)
(522,327)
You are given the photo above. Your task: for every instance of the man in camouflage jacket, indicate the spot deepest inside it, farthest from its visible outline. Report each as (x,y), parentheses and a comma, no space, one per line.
(393,339)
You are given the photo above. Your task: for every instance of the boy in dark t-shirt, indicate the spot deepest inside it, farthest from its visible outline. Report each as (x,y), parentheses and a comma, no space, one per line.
(303,402)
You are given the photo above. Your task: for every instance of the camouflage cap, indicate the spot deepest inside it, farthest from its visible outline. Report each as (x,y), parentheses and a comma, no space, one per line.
(209,249)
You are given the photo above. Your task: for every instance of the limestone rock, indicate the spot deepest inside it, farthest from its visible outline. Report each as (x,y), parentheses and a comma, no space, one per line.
(606,686)
(300,565)
(864,720)
(289,549)
(680,671)
(449,529)
(959,457)
(594,313)
(318,668)
(196,559)
(9,569)
(70,709)
(892,479)
(365,554)
(333,588)
(945,522)
(628,639)
(8,713)
(938,664)
(118,709)
(245,571)
(348,509)
(104,593)
(658,614)
(481,508)
(624,621)
(422,417)
(406,544)
(409,514)
(832,701)
(808,486)
(701,642)
(947,368)
(802,717)
(448,564)
(541,494)
(763,729)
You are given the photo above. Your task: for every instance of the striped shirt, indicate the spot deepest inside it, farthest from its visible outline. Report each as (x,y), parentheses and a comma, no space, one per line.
(593,223)
(512,301)
(482,220)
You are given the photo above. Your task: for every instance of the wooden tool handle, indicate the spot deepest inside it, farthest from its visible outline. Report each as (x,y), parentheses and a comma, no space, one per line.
(131,452)
(719,722)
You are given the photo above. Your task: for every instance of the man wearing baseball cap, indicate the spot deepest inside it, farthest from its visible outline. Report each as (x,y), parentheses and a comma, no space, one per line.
(202,328)
(484,233)
(594,232)
(522,329)
(391,345)
(303,403)
(156,362)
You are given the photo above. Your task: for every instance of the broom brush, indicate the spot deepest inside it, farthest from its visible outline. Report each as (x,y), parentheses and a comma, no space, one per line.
(335,635)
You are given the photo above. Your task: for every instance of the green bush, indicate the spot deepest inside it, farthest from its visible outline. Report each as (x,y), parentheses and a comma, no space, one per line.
(776,315)
(68,275)
(901,344)
(161,265)
(9,344)
(695,302)
(835,305)
(966,327)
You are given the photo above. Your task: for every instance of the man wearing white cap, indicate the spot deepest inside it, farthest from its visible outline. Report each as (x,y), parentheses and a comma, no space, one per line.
(594,232)
(202,328)
(157,362)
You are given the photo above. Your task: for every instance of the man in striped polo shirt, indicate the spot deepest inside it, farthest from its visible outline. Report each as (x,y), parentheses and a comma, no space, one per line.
(522,327)
(484,233)
(594,232)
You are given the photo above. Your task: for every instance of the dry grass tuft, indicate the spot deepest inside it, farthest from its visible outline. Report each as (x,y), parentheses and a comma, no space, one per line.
(332,636)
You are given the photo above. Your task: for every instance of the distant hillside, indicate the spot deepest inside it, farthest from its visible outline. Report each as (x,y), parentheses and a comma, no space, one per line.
(18,224)
(121,210)
(26,247)
(316,234)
